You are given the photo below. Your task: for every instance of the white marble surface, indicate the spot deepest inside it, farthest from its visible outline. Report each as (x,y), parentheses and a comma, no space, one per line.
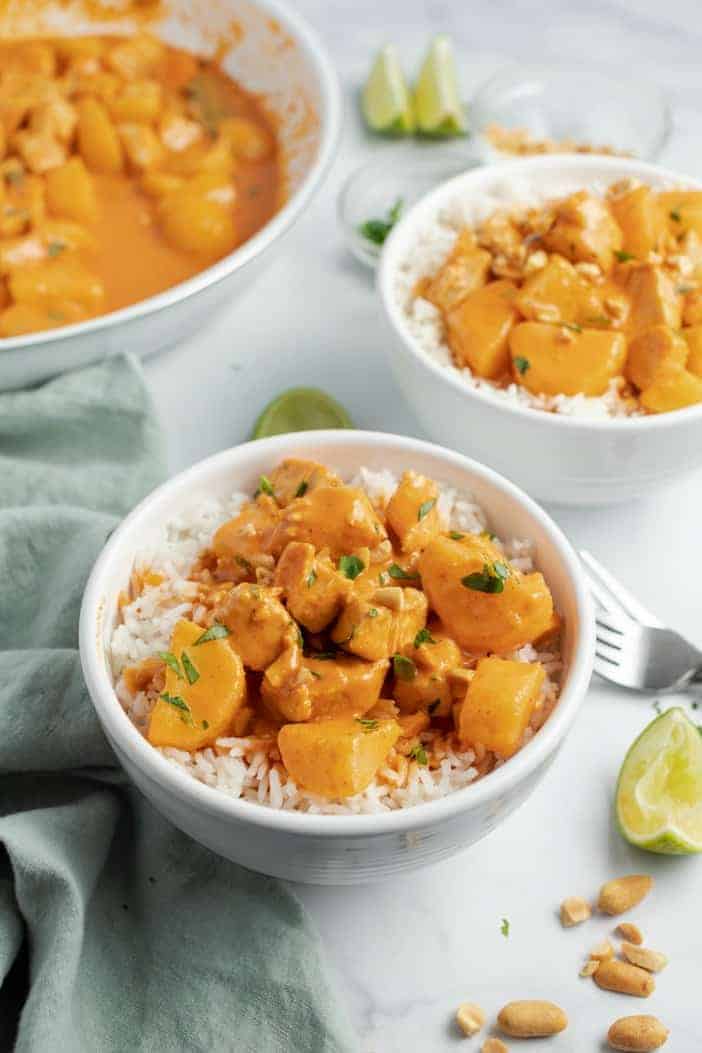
(407,953)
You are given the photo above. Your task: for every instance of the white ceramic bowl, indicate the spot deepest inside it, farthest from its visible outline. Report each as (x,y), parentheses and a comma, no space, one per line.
(273,53)
(555,458)
(328,849)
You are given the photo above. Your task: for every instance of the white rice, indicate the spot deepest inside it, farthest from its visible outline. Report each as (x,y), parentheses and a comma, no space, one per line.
(432,244)
(240,767)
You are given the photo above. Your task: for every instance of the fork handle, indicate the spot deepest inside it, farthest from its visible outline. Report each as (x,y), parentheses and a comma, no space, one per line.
(694,684)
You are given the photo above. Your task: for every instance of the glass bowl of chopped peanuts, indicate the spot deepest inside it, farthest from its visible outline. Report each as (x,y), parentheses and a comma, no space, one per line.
(525,110)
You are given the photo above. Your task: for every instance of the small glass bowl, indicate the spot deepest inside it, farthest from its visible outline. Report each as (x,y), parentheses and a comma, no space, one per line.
(625,114)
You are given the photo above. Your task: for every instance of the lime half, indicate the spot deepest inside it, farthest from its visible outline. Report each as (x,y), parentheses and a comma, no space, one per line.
(437,98)
(300,409)
(386,101)
(659,793)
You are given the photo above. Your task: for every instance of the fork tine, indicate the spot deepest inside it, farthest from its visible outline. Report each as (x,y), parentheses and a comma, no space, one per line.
(611,665)
(608,624)
(616,591)
(613,640)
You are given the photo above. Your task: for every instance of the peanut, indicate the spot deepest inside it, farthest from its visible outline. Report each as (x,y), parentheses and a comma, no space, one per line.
(531,1019)
(470,1018)
(653,961)
(493,1045)
(590,967)
(613,975)
(574,911)
(602,951)
(623,893)
(628,931)
(637,1034)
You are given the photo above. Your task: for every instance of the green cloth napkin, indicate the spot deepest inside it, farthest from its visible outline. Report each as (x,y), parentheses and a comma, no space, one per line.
(117,932)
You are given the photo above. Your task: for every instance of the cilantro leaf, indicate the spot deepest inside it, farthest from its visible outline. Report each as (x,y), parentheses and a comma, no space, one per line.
(351,566)
(215,632)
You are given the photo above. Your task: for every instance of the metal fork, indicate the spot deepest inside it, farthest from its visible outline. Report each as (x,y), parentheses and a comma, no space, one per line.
(634,648)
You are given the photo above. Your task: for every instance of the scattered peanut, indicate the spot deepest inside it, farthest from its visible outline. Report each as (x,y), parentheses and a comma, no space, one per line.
(637,1034)
(613,975)
(574,910)
(653,961)
(630,932)
(623,893)
(602,951)
(590,967)
(531,1019)
(470,1018)
(494,1045)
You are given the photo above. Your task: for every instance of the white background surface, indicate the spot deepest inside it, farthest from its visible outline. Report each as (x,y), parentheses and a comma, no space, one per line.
(408,953)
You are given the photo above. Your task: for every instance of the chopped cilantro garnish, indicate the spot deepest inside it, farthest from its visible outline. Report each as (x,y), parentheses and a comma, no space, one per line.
(423,636)
(244,563)
(624,257)
(178,703)
(172,662)
(490,579)
(372,612)
(302,489)
(425,508)
(675,215)
(404,668)
(598,319)
(265,486)
(399,574)
(351,566)
(521,364)
(377,230)
(55,248)
(455,535)
(367,723)
(215,632)
(419,754)
(191,673)
(504,927)
(311,578)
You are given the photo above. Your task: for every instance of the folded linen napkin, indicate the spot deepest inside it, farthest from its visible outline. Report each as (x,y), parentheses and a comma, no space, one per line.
(117,932)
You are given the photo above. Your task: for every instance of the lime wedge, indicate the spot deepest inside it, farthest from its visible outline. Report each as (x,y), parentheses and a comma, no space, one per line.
(659,793)
(437,98)
(386,101)
(300,409)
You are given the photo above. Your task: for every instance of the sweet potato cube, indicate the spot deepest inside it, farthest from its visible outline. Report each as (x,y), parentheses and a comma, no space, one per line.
(372,630)
(681,210)
(139,101)
(294,477)
(313,589)
(242,543)
(259,625)
(654,299)
(70,192)
(484,603)
(557,293)
(23,318)
(247,140)
(584,230)
(412,511)
(336,758)
(195,223)
(498,705)
(692,307)
(200,699)
(693,338)
(56,280)
(652,351)
(674,388)
(142,146)
(433,659)
(478,329)
(135,57)
(639,215)
(98,141)
(339,518)
(550,360)
(465,270)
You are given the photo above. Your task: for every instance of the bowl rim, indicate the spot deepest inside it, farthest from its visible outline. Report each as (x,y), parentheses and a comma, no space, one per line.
(389,262)
(127,739)
(330,123)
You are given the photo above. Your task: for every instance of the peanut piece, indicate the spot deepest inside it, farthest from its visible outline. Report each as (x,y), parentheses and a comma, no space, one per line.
(613,975)
(653,961)
(630,932)
(602,951)
(574,910)
(531,1019)
(493,1045)
(637,1034)
(470,1018)
(590,967)
(623,893)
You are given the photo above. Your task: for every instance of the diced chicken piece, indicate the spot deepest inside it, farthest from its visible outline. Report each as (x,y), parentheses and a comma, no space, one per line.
(308,688)
(692,308)
(259,625)
(484,603)
(500,235)
(429,687)
(673,389)
(178,132)
(654,300)
(557,293)
(336,758)
(653,351)
(466,269)
(313,589)
(584,231)
(55,281)
(478,329)
(55,119)
(340,518)
(639,216)
(135,57)
(242,543)
(498,706)
(40,153)
(693,338)
(141,145)
(372,630)
(412,511)
(548,360)
(205,686)
(295,477)
(139,100)
(412,725)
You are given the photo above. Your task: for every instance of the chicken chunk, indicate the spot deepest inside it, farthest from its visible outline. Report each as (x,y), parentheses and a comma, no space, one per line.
(339,518)
(466,269)
(654,299)
(304,687)
(312,588)
(371,629)
(295,477)
(259,625)
(241,544)
(584,230)
(433,657)
(557,293)
(412,511)
(654,350)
